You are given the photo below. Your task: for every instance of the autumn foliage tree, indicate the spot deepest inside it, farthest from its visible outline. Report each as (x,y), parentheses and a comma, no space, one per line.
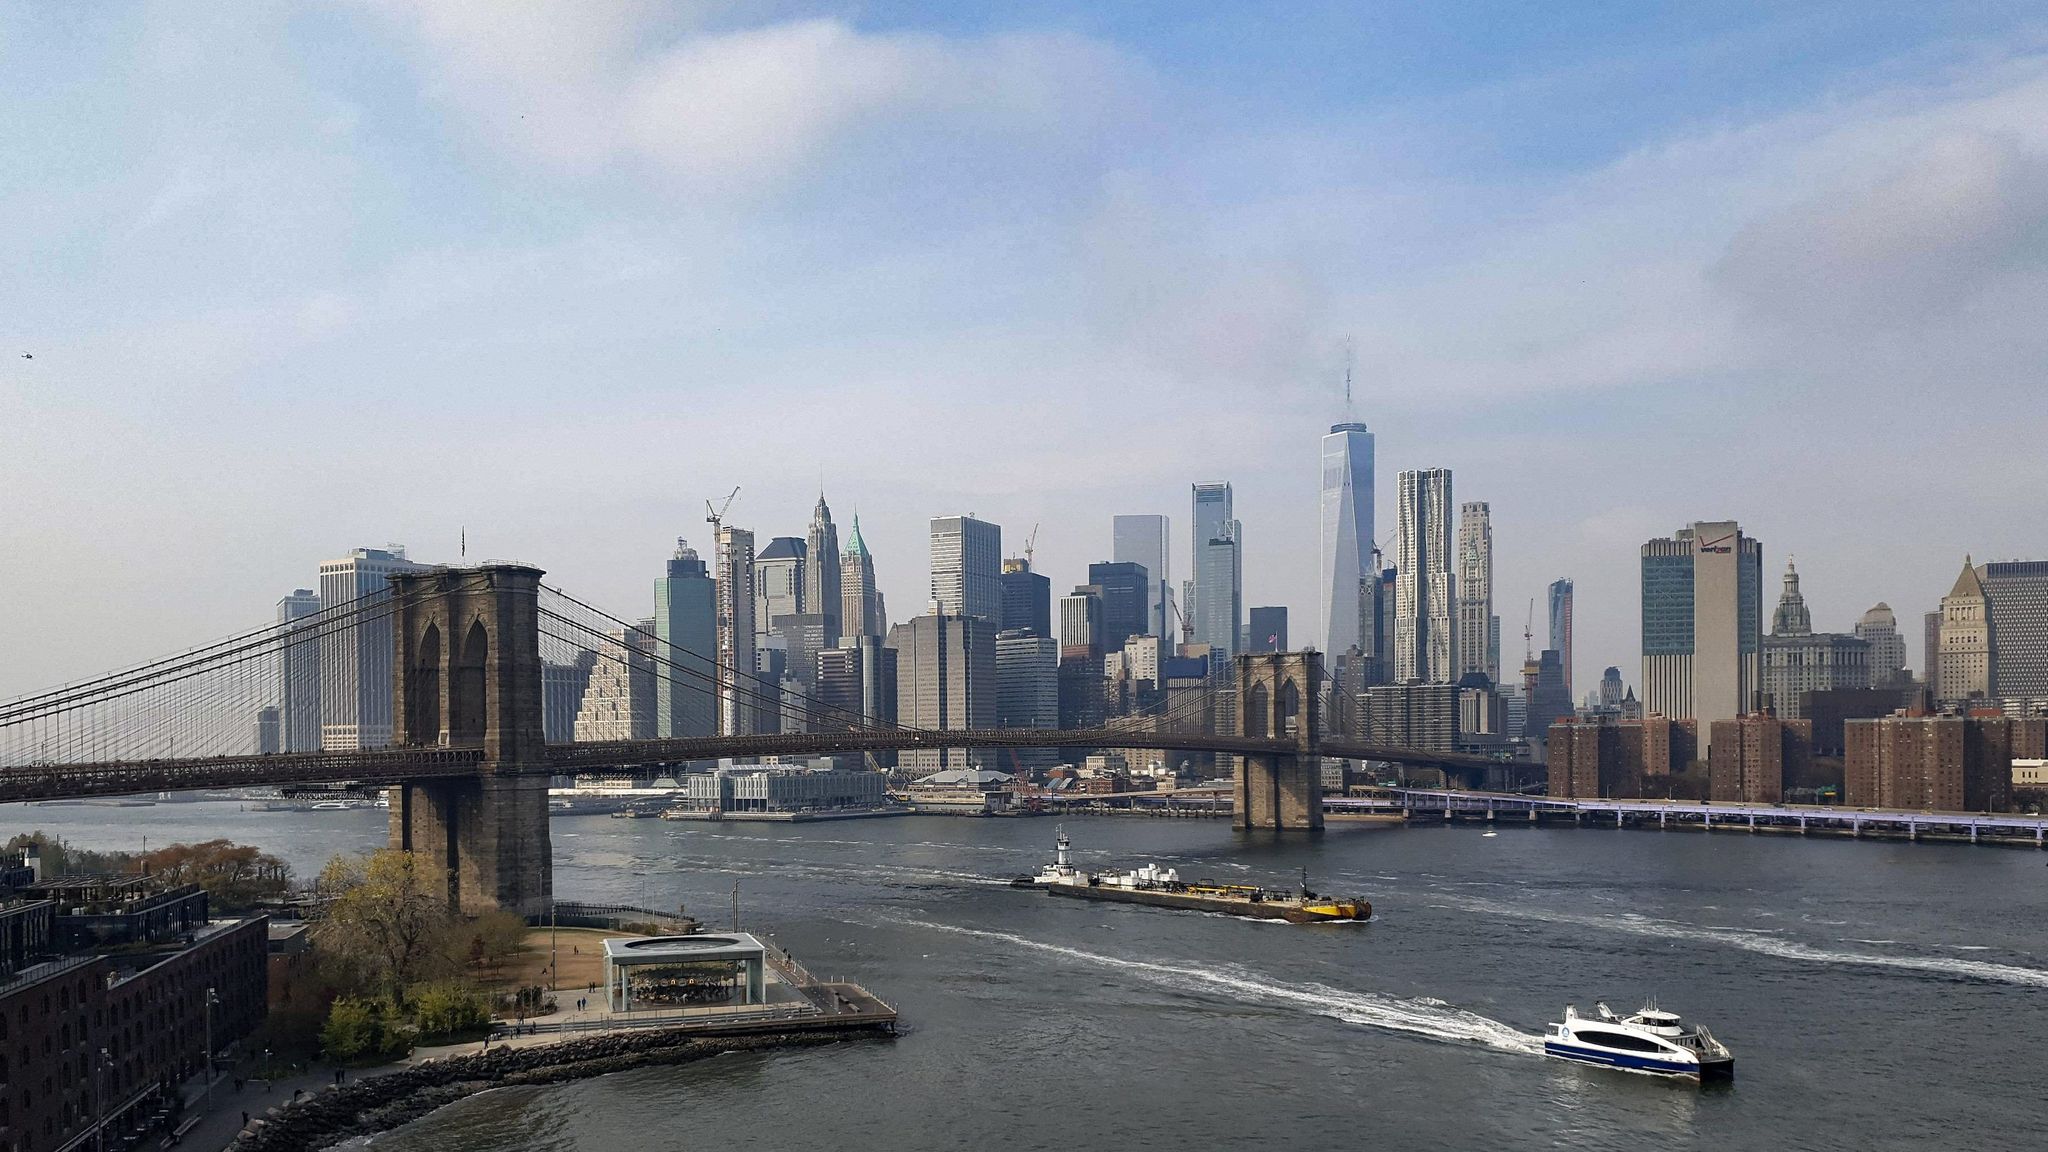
(235,876)
(387,918)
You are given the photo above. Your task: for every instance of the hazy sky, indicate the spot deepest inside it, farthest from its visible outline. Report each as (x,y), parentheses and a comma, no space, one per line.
(302,277)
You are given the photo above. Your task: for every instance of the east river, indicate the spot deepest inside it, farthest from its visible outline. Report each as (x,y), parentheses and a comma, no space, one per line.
(1876,995)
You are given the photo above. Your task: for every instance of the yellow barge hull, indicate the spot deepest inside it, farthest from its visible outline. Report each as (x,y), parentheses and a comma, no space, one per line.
(1318,911)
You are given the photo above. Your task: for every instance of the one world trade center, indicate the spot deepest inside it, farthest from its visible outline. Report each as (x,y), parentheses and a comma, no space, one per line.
(1346,537)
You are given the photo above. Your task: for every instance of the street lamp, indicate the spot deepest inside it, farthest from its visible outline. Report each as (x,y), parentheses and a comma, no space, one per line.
(99,1092)
(212,998)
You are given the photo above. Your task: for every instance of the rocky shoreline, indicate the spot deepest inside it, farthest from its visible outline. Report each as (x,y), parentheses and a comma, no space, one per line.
(379,1103)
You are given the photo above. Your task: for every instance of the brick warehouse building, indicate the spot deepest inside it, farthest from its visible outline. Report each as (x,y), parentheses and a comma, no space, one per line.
(92,1039)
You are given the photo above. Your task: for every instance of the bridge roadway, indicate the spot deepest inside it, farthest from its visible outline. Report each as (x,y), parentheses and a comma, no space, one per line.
(63,781)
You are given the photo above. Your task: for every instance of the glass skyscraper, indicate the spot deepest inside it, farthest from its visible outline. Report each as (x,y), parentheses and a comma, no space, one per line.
(1219,572)
(1346,535)
(967,567)
(1142,540)
(686,634)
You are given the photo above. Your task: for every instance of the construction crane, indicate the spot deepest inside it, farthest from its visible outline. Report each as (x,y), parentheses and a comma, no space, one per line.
(1028,542)
(716,516)
(1529,634)
(1187,630)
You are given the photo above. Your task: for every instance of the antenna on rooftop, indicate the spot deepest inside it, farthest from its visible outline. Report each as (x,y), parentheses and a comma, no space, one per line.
(1349,358)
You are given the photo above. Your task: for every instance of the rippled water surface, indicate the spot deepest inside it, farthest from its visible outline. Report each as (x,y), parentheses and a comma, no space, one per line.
(1877,996)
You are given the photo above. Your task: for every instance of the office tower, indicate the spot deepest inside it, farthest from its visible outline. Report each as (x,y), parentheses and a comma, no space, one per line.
(802,636)
(945,678)
(1028,689)
(618,702)
(771,665)
(355,661)
(838,694)
(1880,629)
(821,570)
(1797,660)
(1124,605)
(1345,537)
(269,737)
(2016,616)
(562,686)
(778,581)
(298,672)
(1478,628)
(1142,540)
(1561,628)
(1081,690)
(1930,650)
(1942,763)
(967,567)
(1610,688)
(1965,639)
(1027,599)
(1549,699)
(860,598)
(1416,715)
(1219,572)
(1702,624)
(736,661)
(1268,630)
(1425,623)
(686,635)
(1376,610)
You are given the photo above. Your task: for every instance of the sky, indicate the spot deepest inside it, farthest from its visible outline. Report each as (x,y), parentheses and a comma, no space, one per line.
(301,278)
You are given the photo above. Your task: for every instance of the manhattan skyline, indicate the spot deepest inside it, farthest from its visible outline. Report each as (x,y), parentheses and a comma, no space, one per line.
(283,303)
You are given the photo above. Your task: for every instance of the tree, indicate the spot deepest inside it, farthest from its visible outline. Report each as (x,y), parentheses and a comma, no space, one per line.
(62,859)
(363,1029)
(447,1010)
(235,876)
(387,918)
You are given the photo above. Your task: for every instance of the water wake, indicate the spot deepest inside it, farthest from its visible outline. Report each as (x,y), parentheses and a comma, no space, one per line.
(1424,1016)
(1767,943)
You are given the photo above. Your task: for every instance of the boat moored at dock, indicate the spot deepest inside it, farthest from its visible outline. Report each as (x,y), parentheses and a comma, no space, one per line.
(1652,1041)
(1163,888)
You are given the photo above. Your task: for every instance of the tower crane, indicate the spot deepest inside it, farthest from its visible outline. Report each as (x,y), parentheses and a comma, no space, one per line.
(716,516)
(1529,634)
(1028,542)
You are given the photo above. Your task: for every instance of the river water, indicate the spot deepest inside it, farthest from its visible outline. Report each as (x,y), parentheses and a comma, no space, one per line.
(1876,995)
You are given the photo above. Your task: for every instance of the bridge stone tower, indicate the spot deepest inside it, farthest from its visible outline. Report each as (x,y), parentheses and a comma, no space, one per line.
(1279,695)
(467,674)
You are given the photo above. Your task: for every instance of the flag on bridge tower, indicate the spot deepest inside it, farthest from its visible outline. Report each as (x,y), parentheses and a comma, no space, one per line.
(465,542)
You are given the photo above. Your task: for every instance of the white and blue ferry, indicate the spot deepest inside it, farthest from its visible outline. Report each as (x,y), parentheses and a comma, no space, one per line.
(1652,1041)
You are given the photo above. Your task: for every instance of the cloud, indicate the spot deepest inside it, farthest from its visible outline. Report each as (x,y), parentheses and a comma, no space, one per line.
(741,111)
(1959,215)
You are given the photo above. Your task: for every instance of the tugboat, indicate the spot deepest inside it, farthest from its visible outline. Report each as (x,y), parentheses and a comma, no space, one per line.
(1651,1041)
(1163,887)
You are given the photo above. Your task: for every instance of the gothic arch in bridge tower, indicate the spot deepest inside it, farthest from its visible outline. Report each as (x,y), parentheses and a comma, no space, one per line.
(468,699)
(423,687)
(1279,698)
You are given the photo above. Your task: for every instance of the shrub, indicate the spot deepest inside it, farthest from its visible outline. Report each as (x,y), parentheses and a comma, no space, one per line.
(363,1030)
(445,1011)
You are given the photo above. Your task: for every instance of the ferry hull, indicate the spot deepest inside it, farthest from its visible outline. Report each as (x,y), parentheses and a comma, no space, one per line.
(1704,1070)
(1258,910)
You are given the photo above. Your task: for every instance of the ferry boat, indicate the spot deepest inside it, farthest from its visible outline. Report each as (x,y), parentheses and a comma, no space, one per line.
(1163,887)
(1651,1041)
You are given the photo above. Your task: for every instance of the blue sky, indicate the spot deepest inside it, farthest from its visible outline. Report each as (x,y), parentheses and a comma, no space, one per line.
(303,278)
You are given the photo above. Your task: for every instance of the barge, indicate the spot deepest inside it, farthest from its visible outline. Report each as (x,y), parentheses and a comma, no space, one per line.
(1163,888)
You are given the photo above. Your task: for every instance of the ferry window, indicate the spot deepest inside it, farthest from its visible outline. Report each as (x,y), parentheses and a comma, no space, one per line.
(1620,1040)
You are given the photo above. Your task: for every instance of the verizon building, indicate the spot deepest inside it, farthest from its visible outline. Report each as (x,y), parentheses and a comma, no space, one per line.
(1702,624)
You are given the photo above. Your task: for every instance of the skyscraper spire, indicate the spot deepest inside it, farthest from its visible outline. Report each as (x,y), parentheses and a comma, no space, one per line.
(821,570)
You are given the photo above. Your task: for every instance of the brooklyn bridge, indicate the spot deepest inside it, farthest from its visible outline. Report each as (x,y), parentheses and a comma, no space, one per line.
(469,760)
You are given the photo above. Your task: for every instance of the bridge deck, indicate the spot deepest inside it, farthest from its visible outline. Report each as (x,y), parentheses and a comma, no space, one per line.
(1702,813)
